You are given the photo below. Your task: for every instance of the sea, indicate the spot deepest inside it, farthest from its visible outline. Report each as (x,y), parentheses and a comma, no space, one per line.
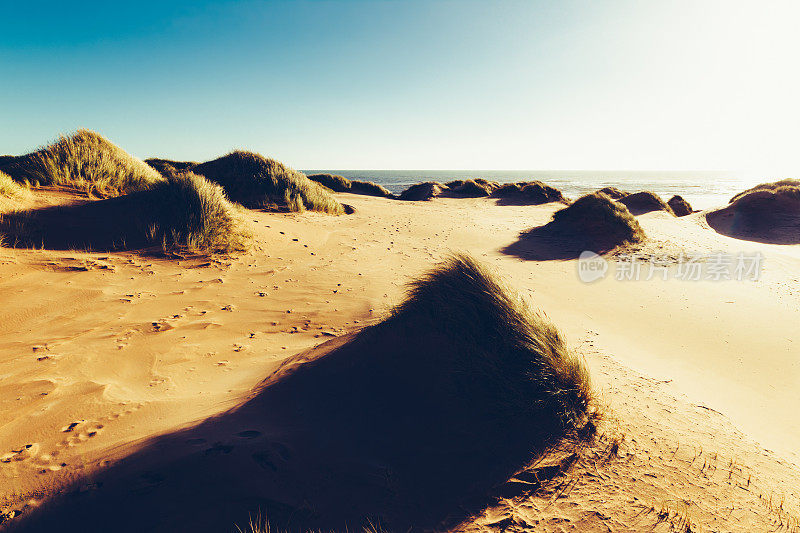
(703,190)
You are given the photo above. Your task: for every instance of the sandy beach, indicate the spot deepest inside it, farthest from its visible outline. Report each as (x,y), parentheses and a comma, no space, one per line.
(103,353)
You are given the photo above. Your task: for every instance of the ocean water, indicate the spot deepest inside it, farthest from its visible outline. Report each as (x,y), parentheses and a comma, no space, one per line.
(703,190)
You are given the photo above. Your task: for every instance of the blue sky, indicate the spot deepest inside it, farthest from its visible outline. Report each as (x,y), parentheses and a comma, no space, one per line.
(409,84)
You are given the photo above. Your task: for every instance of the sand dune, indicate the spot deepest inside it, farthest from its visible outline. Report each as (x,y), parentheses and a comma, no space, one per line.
(110,360)
(769,213)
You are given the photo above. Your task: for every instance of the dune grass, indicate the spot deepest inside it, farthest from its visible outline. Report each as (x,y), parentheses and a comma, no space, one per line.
(643,202)
(773,187)
(600,221)
(254,181)
(512,361)
(338,183)
(85,161)
(679,206)
(473,188)
(183,211)
(531,192)
(11,189)
(423,191)
(613,193)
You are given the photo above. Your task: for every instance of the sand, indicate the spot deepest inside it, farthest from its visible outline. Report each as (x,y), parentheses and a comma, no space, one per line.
(102,352)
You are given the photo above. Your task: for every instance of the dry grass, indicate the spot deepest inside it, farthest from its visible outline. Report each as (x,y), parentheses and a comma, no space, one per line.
(514,362)
(601,221)
(85,161)
(183,211)
(472,188)
(767,213)
(533,193)
(679,206)
(255,181)
(11,189)
(423,191)
(792,183)
(613,193)
(338,183)
(643,202)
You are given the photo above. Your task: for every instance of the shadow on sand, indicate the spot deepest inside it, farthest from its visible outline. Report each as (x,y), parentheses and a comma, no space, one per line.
(769,220)
(552,242)
(403,424)
(99,225)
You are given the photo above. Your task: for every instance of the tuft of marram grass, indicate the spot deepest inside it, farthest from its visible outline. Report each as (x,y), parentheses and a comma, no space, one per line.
(183,211)
(599,221)
(338,183)
(11,189)
(85,160)
(256,181)
(187,210)
(644,202)
(773,187)
(680,206)
(509,349)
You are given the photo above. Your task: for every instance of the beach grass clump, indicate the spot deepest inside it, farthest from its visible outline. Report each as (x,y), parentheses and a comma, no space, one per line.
(599,222)
(472,188)
(12,190)
(511,364)
(767,187)
(255,181)
(768,213)
(182,211)
(86,161)
(338,183)
(679,206)
(613,192)
(423,191)
(529,193)
(644,202)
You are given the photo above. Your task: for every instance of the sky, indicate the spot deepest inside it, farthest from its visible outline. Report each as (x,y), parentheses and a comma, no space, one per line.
(650,85)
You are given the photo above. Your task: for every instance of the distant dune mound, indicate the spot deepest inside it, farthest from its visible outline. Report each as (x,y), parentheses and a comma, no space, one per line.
(423,191)
(403,424)
(257,182)
(593,222)
(767,187)
(613,193)
(338,183)
(769,213)
(679,206)
(86,161)
(182,211)
(474,188)
(644,202)
(528,193)
(168,166)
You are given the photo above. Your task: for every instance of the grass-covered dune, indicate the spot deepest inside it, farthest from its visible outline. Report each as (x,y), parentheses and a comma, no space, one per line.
(85,160)
(404,424)
(423,191)
(593,222)
(767,213)
(601,221)
(528,193)
(182,211)
(644,202)
(774,186)
(338,183)
(679,206)
(472,188)
(613,192)
(258,182)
